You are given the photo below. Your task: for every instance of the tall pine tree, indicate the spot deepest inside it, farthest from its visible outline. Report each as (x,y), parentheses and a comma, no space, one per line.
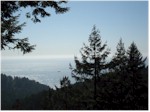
(135,65)
(93,60)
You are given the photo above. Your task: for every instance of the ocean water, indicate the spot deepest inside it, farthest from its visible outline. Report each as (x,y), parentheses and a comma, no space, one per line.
(45,71)
(48,71)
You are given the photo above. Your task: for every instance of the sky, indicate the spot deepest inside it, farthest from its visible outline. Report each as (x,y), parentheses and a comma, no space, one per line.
(64,34)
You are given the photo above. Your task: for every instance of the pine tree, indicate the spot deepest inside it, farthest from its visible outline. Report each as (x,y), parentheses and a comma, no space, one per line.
(118,66)
(119,61)
(135,59)
(135,65)
(93,60)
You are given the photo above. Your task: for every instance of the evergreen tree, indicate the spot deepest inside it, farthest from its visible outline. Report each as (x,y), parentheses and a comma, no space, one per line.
(118,66)
(64,82)
(9,22)
(9,28)
(135,61)
(93,60)
(119,61)
(135,65)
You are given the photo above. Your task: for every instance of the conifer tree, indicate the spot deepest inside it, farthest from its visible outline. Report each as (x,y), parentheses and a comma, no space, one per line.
(135,61)
(10,27)
(135,65)
(93,60)
(119,61)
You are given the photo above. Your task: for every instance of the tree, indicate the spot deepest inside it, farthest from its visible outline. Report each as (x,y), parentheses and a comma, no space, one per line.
(64,82)
(119,61)
(135,61)
(118,67)
(135,65)
(93,60)
(10,26)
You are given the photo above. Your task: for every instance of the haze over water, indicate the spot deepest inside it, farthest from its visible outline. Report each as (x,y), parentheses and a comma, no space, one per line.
(47,71)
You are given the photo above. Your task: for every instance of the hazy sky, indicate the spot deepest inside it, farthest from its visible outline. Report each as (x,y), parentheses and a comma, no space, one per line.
(64,34)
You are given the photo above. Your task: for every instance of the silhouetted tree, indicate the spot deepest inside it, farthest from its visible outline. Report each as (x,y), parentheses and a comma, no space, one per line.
(93,60)
(119,60)
(10,26)
(64,82)
(135,59)
(117,67)
(135,65)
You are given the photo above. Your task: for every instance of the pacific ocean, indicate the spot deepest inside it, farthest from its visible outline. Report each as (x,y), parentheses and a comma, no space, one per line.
(48,71)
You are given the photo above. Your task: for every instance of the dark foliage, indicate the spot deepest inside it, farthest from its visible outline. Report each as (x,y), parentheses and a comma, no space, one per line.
(119,60)
(10,25)
(135,59)
(114,91)
(64,82)
(14,89)
(93,60)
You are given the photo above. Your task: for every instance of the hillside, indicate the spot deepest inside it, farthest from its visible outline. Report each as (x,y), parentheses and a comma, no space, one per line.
(114,92)
(13,89)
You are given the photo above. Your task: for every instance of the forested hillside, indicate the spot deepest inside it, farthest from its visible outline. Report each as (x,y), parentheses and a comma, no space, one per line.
(14,89)
(115,92)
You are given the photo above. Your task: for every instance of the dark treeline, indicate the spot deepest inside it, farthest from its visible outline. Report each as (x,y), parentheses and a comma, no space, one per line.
(113,94)
(14,89)
(121,84)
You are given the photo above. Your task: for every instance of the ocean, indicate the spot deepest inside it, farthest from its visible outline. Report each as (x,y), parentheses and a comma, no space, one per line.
(47,71)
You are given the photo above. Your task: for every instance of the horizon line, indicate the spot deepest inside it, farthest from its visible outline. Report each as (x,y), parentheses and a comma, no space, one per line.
(38,57)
